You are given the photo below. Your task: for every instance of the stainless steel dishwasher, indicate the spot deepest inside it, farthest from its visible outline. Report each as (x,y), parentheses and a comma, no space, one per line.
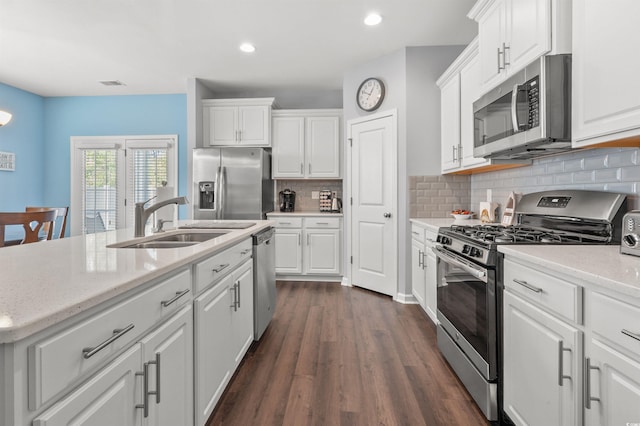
(264,280)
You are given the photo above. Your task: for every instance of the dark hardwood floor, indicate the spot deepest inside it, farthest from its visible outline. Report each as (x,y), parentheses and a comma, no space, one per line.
(336,355)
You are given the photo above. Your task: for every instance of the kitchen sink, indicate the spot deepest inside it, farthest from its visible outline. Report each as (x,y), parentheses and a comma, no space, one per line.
(173,239)
(218,225)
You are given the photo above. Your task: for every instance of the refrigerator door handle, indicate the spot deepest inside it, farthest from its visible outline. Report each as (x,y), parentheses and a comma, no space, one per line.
(223,191)
(218,189)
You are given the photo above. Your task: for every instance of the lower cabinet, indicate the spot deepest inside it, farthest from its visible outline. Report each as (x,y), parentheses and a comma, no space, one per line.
(223,334)
(150,383)
(541,359)
(424,269)
(310,245)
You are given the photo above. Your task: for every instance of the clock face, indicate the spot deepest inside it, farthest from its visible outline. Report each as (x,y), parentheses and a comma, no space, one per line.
(370,94)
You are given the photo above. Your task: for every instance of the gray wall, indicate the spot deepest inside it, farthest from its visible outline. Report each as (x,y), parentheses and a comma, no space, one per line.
(409,75)
(599,169)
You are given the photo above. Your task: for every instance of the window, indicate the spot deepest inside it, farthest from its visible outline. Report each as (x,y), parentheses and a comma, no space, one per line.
(110,174)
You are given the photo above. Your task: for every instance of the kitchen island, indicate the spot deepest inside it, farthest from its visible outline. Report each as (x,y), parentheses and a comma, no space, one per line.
(83,328)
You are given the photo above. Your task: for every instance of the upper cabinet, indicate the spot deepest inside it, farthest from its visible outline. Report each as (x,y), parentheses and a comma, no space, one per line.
(306,144)
(459,88)
(237,122)
(606,88)
(513,33)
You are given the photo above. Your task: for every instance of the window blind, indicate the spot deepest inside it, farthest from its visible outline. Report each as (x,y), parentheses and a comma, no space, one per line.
(99,190)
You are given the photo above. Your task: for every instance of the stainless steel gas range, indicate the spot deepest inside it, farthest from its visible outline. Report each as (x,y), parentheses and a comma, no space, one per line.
(469,286)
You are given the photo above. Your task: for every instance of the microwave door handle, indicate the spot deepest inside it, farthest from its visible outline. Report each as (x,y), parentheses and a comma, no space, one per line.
(514,111)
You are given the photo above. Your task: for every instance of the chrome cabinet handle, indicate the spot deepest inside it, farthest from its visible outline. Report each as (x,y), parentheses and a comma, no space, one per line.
(309,168)
(500,67)
(561,350)
(117,333)
(239,292)
(284,223)
(420,259)
(424,264)
(301,168)
(415,233)
(220,268)
(587,383)
(322,223)
(528,286)
(504,55)
(145,385)
(235,297)
(299,238)
(454,149)
(630,334)
(387,215)
(243,252)
(178,295)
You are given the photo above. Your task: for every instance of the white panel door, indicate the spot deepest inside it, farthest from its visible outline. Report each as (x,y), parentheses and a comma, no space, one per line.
(469,93)
(450,124)
(538,350)
(288,147)
(288,251)
(108,398)
(528,28)
(492,33)
(171,348)
(374,241)
(253,125)
(323,147)
(222,125)
(242,313)
(615,380)
(322,252)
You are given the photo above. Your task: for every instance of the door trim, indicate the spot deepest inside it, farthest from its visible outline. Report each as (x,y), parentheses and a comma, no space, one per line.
(348,213)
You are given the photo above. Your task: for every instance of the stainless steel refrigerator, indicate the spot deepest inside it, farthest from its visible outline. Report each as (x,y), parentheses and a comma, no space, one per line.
(232,183)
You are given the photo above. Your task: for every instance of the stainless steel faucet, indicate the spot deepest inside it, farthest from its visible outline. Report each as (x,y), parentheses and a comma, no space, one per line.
(142,214)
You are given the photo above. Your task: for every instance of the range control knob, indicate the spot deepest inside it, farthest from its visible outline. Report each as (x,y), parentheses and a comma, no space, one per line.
(466,249)
(475,252)
(631,240)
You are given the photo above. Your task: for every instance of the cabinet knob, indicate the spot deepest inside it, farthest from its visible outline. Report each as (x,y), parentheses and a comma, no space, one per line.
(387,215)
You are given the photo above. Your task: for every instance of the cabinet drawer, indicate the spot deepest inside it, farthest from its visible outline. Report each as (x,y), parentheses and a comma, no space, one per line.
(287,222)
(430,237)
(215,267)
(551,293)
(616,321)
(322,222)
(57,361)
(417,234)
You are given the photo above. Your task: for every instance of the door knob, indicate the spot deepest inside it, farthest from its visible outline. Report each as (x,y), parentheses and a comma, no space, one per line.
(387,215)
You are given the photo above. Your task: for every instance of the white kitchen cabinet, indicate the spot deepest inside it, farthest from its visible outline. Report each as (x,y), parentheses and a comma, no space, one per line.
(424,269)
(168,354)
(108,398)
(237,122)
(309,246)
(459,88)
(307,144)
(513,33)
(223,334)
(612,364)
(606,104)
(542,355)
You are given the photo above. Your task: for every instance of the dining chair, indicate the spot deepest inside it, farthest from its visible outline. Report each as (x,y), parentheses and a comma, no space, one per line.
(61,216)
(32,222)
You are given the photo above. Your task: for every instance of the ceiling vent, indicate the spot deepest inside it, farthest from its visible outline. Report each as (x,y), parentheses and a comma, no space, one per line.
(112,83)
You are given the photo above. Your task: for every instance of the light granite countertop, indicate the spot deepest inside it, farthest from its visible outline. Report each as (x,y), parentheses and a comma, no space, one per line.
(440,222)
(305,213)
(601,265)
(44,283)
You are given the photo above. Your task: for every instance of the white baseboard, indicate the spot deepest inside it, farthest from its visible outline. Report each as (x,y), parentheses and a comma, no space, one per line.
(407,299)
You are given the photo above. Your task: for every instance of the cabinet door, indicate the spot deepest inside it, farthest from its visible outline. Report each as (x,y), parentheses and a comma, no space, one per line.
(288,251)
(108,398)
(606,105)
(288,147)
(213,357)
(431,278)
(469,93)
(322,251)
(615,380)
(322,147)
(418,272)
(491,36)
(528,32)
(254,126)
(220,125)
(450,124)
(171,348)
(242,313)
(538,350)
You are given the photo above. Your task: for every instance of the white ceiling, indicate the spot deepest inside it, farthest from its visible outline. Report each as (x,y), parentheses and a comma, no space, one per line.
(64,47)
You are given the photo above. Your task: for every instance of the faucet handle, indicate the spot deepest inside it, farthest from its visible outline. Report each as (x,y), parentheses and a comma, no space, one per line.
(159,224)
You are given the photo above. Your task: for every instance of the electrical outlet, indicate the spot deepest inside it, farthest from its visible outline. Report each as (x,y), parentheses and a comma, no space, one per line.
(315,195)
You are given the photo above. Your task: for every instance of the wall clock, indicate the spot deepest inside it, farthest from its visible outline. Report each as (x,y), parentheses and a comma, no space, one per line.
(370,94)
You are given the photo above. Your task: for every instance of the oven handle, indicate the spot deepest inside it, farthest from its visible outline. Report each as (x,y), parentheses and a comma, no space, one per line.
(454,259)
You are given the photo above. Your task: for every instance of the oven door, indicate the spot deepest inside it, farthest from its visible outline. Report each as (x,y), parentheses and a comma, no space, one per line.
(466,300)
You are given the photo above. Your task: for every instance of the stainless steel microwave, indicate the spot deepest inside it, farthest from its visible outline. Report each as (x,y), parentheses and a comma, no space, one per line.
(527,116)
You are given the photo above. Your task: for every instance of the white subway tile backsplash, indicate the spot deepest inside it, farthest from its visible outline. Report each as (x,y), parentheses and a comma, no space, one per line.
(607,175)
(622,158)
(563,178)
(595,162)
(583,177)
(557,167)
(574,165)
(630,174)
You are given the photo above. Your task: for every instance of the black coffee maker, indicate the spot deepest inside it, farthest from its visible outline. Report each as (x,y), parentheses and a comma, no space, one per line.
(287,200)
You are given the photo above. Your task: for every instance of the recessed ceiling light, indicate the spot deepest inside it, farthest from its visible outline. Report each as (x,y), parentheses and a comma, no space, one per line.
(247,47)
(372,19)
